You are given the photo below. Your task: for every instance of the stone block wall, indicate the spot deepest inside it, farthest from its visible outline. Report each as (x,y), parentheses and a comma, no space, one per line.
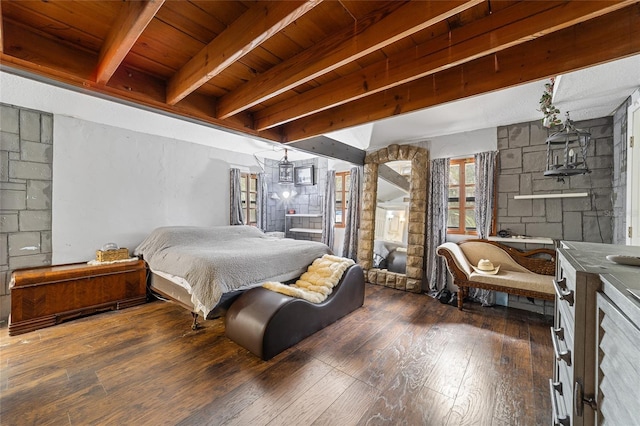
(308,199)
(26,160)
(522,163)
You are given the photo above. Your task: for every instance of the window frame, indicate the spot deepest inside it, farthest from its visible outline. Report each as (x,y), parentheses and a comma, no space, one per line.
(344,194)
(246,194)
(462,185)
(462,199)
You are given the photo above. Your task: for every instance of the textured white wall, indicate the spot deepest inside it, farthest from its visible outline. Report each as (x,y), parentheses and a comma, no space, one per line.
(116,178)
(463,144)
(115,185)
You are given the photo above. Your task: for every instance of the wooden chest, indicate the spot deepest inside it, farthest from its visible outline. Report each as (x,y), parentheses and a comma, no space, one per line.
(45,296)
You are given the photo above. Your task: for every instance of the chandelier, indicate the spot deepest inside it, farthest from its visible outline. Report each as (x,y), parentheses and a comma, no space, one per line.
(567,151)
(285,170)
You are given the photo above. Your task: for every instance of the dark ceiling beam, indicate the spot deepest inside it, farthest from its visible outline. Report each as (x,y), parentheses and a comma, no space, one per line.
(603,39)
(327,147)
(387,173)
(507,27)
(393,23)
(246,33)
(133,18)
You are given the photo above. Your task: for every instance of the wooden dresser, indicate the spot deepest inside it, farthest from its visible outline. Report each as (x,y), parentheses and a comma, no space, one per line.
(45,296)
(579,312)
(618,344)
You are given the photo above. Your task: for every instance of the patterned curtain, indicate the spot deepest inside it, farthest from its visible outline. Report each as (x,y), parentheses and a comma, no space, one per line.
(485,177)
(261,208)
(438,199)
(352,221)
(328,212)
(236,216)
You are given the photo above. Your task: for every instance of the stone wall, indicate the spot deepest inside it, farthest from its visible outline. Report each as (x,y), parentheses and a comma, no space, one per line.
(522,163)
(26,159)
(308,199)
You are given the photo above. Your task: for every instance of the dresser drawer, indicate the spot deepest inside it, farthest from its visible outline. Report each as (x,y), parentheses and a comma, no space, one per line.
(562,348)
(565,321)
(561,392)
(565,287)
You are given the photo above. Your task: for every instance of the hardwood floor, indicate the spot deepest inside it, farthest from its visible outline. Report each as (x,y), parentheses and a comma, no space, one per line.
(401,359)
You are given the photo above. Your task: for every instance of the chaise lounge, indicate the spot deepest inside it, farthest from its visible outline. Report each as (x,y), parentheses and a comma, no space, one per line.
(528,274)
(266,323)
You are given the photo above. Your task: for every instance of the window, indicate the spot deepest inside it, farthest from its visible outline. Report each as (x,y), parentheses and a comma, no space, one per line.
(342,198)
(461,208)
(249,189)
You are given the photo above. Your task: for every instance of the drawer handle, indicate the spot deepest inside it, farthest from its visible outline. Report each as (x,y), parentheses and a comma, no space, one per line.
(559,332)
(562,292)
(555,388)
(560,356)
(579,400)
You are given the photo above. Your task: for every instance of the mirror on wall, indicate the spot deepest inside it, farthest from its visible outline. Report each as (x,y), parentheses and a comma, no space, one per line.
(393,216)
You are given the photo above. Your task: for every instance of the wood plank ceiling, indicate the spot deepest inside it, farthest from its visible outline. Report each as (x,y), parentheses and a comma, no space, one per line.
(290,70)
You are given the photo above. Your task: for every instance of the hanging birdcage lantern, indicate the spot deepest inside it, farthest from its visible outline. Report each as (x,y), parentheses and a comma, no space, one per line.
(285,169)
(567,151)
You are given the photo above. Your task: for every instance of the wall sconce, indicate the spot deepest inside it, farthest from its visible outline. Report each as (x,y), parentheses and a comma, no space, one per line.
(567,151)
(289,194)
(285,170)
(284,195)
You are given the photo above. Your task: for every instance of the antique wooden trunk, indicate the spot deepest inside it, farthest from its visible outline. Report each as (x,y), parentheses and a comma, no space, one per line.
(45,296)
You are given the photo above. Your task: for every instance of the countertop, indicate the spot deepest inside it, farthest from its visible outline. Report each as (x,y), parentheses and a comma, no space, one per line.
(616,279)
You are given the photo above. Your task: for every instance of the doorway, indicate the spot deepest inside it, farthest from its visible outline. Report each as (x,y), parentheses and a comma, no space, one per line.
(633,174)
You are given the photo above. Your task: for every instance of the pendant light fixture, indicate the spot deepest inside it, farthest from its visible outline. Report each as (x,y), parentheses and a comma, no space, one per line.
(567,151)
(285,170)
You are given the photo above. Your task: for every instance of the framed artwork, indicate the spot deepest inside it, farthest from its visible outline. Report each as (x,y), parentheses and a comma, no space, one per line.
(304,175)
(285,172)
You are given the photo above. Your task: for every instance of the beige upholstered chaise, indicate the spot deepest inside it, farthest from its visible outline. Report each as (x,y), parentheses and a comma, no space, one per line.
(528,274)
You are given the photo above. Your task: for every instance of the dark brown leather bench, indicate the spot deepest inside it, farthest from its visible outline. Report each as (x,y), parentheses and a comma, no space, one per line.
(266,322)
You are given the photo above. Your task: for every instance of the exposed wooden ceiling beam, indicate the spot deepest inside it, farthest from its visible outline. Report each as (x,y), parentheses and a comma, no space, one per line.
(255,26)
(133,18)
(507,27)
(41,58)
(381,29)
(602,39)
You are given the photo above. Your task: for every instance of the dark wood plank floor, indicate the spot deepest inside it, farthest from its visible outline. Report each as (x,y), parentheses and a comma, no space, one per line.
(401,359)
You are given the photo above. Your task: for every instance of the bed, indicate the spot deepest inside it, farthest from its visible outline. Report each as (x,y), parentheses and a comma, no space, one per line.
(205,269)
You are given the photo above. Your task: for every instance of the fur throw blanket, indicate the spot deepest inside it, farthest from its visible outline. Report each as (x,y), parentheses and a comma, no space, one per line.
(317,283)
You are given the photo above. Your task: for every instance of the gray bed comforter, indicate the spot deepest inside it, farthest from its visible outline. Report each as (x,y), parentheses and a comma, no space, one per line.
(222,259)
